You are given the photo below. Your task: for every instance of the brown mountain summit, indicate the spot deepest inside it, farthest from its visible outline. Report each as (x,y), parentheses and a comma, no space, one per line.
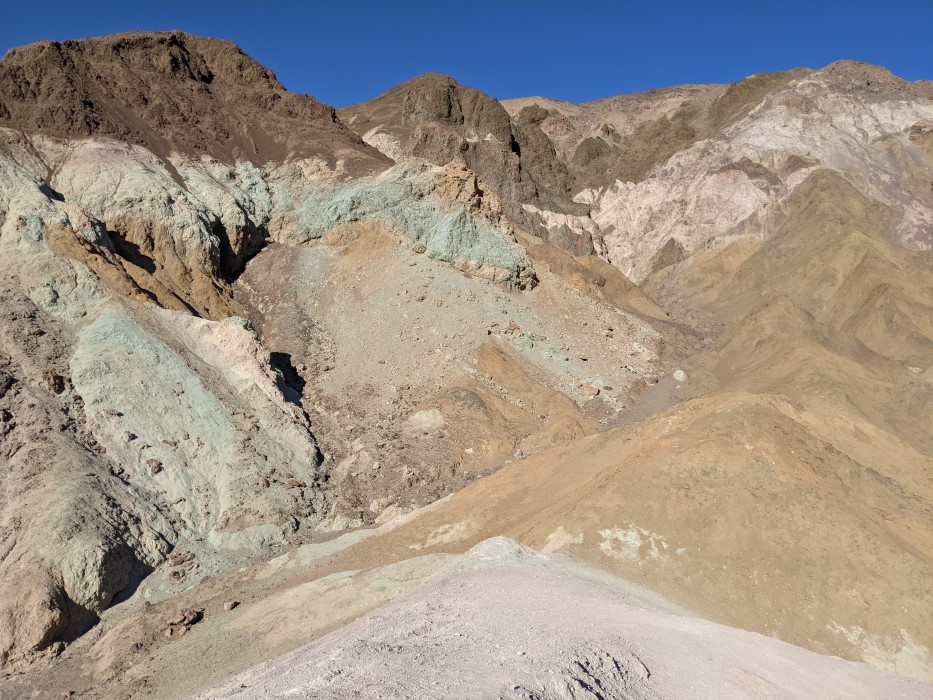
(169,91)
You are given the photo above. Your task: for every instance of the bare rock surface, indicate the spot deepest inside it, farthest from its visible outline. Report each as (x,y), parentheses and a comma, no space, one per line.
(506,626)
(434,118)
(696,163)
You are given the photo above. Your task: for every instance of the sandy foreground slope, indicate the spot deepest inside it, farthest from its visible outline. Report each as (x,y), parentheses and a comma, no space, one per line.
(512,623)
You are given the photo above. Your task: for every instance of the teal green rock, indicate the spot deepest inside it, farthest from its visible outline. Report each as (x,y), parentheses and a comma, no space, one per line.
(402,201)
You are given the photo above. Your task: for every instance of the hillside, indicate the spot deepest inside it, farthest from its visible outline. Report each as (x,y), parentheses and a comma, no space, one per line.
(278,379)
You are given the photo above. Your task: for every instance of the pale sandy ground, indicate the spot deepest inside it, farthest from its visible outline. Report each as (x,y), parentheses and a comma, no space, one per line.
(512,623)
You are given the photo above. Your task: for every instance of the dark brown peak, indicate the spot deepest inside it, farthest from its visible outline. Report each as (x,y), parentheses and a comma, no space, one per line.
(425,81)
(170,91)
(431,79)
(432,99)
(173,54)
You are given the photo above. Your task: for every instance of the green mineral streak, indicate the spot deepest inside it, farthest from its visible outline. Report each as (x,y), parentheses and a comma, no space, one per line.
(402,206)
(35,227)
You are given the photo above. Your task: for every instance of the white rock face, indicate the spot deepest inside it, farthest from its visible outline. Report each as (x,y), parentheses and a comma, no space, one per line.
(383,142)
(743,172)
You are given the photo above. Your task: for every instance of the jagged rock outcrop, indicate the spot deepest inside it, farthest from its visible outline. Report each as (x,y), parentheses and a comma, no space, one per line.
(696,163)
(434,118)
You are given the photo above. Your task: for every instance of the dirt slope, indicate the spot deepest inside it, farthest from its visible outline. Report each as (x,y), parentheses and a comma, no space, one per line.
(802,450)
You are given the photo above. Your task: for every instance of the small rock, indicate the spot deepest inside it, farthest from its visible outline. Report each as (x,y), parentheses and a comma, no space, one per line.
(155,466)
(230,605)
(590,390)
(174,632)
(180,557)
(186,618)
(54,382)
(680,376)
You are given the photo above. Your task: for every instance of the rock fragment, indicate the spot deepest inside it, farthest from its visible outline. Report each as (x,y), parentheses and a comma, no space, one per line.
(181,622)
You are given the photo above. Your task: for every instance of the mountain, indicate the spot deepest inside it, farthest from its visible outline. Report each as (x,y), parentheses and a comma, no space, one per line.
(267,367)
(434,118)
(170,92)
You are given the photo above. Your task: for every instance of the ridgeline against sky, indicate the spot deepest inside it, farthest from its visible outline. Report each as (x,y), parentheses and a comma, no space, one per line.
(573,51)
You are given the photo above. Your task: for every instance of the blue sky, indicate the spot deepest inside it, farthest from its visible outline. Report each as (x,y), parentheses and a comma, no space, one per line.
(581,50)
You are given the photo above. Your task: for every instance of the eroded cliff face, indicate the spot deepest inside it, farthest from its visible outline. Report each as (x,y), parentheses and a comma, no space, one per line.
(701,163)
(434,118)
(233,325)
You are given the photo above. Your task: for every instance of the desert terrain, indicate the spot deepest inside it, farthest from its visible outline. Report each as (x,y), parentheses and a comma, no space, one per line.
(442,396)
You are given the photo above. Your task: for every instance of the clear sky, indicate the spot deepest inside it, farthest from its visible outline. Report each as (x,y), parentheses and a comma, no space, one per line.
(577,50)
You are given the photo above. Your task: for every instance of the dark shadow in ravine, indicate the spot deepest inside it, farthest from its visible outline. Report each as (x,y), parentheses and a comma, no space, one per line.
(290,382)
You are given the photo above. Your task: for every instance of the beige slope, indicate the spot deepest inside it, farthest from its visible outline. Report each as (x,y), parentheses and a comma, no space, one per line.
(735,508)
(793,495)
(827,311)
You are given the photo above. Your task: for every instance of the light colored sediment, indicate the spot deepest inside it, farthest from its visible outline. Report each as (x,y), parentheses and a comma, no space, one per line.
(506,625)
